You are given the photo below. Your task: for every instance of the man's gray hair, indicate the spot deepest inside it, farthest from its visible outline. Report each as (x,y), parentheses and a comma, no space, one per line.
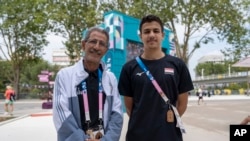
(98,29)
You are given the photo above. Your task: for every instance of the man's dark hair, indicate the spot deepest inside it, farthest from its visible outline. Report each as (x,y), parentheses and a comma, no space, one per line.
(151,18)
(98,29)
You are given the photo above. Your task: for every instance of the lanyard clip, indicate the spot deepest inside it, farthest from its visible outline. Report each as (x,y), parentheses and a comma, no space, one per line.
(88,122)
(100,120)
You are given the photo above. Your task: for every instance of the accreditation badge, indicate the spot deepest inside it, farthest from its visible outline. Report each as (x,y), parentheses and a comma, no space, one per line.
(99,134)
(170,116)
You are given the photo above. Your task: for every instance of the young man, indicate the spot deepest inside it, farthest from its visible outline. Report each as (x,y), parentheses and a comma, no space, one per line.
(148,112)
(86,102)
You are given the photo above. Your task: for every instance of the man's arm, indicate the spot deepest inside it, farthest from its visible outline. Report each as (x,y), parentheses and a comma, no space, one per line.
(182,102)
(128,101)
(65,123)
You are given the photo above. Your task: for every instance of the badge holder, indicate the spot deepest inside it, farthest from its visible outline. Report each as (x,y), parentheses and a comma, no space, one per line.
(170,115)
(95,134)
(99,134)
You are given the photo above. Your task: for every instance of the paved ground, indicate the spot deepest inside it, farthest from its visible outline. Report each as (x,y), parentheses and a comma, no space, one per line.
(211,120)
(24,107)
(206,122)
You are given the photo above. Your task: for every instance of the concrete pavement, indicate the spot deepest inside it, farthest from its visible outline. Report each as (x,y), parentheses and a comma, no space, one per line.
(39,126)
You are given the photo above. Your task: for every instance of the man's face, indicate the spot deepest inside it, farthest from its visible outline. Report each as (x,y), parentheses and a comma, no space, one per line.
(151,35)
(95,47)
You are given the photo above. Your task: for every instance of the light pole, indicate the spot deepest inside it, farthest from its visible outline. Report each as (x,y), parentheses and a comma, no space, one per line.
(248,81)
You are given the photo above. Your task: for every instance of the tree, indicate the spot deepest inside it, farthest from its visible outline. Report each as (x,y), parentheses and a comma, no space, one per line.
(216,68)
(70,19)
(4,67)
(23,27)
(210,68)
(202,21)
(240,49)
(29,77)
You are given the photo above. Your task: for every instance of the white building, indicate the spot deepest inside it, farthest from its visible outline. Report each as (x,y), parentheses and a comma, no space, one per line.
(212,57)
(59,57)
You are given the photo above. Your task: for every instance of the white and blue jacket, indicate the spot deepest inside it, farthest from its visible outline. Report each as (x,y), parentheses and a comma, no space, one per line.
(66,110)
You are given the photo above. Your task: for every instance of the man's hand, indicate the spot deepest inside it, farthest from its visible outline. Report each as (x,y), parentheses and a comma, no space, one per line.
(92,140)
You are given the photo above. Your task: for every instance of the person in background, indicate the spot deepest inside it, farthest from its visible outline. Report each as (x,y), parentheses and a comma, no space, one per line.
(86,102)
(49,96)
(245,121)
(152,117)
(200,95)
(9,100)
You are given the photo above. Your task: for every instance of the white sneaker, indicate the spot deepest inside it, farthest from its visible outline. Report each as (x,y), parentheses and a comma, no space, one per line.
(5,113)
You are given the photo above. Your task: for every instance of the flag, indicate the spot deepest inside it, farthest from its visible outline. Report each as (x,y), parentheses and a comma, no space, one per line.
(169,71)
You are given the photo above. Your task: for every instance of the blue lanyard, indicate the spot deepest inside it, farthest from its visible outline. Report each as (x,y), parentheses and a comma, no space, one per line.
(151,78)
(144,68)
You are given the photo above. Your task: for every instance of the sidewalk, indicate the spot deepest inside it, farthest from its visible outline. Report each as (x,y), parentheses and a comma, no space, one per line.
(40,127)
(220,97)
(37,127)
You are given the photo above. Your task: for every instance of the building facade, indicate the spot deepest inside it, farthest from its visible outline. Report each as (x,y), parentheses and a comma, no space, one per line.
(59,57)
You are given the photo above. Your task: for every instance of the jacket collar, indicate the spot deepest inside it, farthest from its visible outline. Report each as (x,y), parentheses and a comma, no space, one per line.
(81,74)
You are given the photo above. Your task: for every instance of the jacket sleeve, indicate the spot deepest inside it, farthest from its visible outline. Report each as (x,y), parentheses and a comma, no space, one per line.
(115,121)
(65,123)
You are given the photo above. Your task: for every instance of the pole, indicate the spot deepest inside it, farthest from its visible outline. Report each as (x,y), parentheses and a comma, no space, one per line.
(248,81)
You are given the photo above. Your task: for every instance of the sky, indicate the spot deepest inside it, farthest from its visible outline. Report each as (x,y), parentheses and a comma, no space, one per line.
(55,43)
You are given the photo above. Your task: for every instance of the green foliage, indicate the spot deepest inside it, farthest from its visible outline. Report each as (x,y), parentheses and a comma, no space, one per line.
(5,66)
(235,86)
(211,68)
(29,80)
(23,27)
(239,51)
(70,18)
(28,77)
